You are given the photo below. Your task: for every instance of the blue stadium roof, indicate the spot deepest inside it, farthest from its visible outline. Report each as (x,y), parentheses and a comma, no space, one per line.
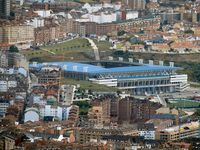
(84,68)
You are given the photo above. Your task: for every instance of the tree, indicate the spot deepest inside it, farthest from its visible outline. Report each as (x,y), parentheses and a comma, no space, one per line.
(8,121)
(189,31)
(12,110)
(121,32)
(197,113)
(13,49)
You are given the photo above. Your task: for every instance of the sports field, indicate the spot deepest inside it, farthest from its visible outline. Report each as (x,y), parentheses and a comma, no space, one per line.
(184,103)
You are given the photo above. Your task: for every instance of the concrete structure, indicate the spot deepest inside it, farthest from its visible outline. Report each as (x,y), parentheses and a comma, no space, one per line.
(49,74)
(139,79)
(5,8)
(186,130)
(67,94)
(95,116)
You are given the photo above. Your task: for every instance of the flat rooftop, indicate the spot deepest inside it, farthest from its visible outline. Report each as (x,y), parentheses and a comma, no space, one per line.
(183,127)
(94,69)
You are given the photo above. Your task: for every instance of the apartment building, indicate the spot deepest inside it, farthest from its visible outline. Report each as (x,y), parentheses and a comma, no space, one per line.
(134,110)
(147,131)
(108,110)
(3,59)
(5,8)
(85,135)
(17,60)
(49,75)
(20,35)
(95,116)
(13,80)
(136,4)
(133,25)
(183,131)
(4,104)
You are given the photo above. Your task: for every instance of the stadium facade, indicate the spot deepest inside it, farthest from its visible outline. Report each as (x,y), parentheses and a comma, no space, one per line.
(139,79)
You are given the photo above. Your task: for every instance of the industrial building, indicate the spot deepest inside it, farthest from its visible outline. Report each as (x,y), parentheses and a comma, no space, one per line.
(137,78)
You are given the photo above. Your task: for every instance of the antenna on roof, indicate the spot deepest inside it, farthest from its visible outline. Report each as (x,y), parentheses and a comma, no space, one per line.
(171,64)
(161,63)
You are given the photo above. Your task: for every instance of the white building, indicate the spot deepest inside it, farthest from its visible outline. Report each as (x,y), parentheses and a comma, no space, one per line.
(50,110)
(131,15)
(101,17)
(104,13)
(36,22)
(147,131)
(43,13)
(5,85)
(97,7)
(66,111)
(37,99)
(31,114)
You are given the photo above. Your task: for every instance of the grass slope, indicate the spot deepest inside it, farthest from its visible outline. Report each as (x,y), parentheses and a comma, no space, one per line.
(89,85)
(66,50)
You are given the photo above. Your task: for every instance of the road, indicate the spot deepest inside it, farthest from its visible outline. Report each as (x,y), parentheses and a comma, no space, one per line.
(161,100)
(188,93)
(95,48)
(46,50)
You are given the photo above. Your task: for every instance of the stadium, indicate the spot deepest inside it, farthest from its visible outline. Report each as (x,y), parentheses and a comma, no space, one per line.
(137,78)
